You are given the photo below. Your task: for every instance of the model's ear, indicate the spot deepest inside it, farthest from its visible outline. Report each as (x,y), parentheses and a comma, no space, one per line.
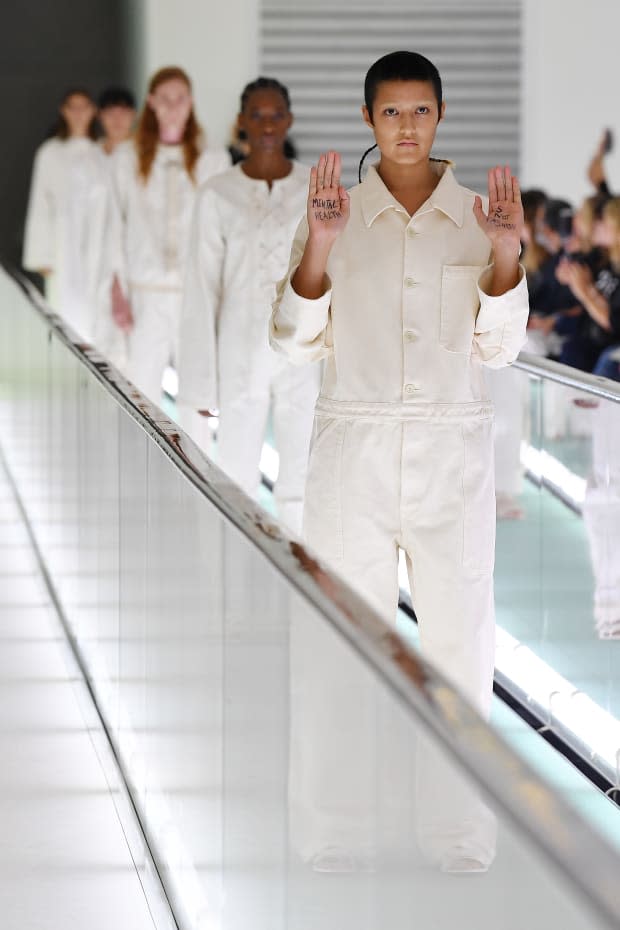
(366,117)
(442,111)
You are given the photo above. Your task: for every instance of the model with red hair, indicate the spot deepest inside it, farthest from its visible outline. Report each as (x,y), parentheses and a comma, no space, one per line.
(156,177)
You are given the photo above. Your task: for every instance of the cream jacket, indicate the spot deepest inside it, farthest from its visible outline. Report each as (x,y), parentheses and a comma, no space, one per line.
(240,247)
(406,317)
(155,218)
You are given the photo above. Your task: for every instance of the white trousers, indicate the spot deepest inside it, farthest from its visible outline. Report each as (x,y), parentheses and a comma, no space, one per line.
(152,342)
(601,515)
(291,395)
(380,478)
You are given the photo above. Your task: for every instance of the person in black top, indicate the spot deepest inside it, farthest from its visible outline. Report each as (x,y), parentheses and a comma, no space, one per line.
(554,308)
(598,292)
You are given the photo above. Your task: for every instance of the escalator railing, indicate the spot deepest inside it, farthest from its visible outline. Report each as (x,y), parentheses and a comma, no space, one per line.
(260,711)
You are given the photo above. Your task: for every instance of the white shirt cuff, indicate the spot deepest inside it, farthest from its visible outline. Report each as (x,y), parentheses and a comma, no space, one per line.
(307,317)
(496,311)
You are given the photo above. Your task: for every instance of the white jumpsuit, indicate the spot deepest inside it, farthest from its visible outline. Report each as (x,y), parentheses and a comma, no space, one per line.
(153,239)
(68,211)
(402,451)
(240,246)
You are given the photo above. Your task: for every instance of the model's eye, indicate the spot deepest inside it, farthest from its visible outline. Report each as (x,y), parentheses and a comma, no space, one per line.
(390,111)
(423,110)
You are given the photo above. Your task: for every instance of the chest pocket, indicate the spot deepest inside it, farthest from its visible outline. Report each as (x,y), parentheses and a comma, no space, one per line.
(459,306)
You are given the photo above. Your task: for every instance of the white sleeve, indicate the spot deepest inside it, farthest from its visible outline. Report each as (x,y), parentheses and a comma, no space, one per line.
(202,292)
(299,328)
(500,331)
(40,231)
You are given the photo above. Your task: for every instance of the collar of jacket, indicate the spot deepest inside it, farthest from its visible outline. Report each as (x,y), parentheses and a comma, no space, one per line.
(447,196)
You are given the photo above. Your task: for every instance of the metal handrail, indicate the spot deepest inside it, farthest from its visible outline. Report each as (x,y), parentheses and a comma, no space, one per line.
(585,859)
(545,369)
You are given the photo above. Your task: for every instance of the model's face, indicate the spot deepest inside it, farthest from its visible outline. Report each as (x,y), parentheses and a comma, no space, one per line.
(117,123)
(172,104)
(404,118)
(79,113)
(266,121)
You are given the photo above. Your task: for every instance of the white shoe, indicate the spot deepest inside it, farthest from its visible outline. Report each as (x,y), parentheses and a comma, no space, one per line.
(508,508)
(458,864)
(341,861)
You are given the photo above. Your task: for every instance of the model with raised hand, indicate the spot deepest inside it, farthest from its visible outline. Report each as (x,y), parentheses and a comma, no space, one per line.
(407,286)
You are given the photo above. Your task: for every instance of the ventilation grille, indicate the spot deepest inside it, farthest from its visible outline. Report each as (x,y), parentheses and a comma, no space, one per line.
(323,54)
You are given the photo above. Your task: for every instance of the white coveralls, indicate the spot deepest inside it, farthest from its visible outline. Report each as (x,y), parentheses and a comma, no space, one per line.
(153,240)
(402,450)
(66,222)
(240,246)
(601,516)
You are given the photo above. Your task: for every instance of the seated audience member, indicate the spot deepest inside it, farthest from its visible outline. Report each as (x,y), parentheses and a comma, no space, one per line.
(597,289)
(553,305)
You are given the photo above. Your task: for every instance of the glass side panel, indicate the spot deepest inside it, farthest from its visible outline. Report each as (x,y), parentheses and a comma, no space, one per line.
(558,565)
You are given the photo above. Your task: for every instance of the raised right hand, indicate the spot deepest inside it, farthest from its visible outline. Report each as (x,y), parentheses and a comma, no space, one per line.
(328,201)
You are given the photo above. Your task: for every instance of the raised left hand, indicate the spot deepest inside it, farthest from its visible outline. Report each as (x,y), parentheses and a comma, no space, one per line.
(504,224)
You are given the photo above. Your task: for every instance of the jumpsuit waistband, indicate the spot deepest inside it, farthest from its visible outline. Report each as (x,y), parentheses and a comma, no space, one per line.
(381,412)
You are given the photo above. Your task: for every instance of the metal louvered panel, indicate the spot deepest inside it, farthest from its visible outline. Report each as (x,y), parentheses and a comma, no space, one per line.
(322,53)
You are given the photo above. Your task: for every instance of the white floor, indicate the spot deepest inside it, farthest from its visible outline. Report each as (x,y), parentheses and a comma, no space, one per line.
(64,859)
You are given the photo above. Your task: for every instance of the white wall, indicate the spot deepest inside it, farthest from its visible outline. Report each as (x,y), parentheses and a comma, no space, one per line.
(570,80)
(570,72)
(216,42)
